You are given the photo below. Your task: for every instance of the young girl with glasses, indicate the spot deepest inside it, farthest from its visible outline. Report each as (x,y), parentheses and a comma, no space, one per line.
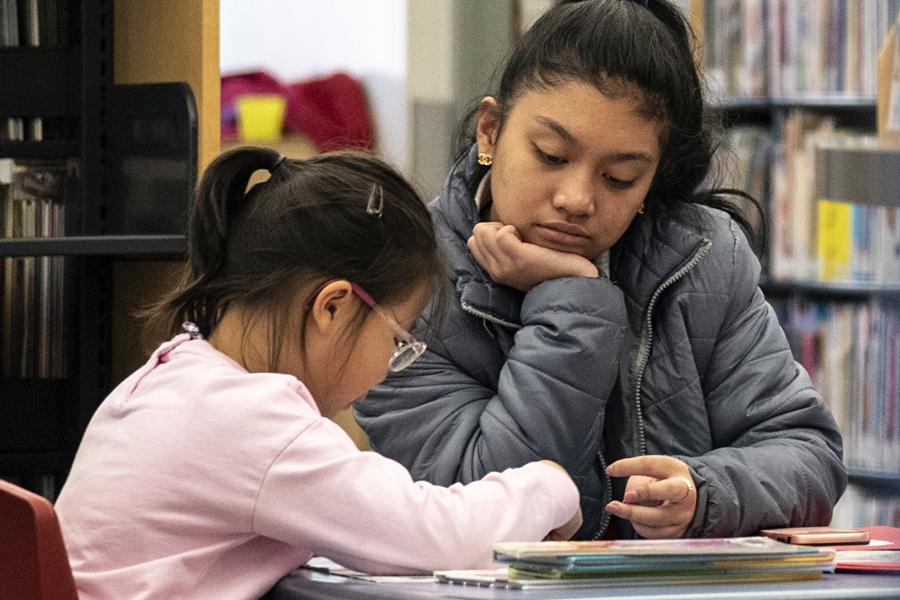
(213,470)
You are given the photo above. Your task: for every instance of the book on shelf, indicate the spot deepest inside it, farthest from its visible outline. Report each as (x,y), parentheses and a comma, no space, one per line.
(888,117)
(822,238)
(32,205)
(851,351)
(793,48)
(743,162)
(734,52)
(29,24)
(867,504)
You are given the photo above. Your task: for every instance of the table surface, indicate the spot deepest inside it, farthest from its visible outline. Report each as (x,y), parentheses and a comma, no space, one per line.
(306,585)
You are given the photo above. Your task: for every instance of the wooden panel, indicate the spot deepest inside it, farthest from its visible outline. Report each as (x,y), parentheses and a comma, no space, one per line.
(348,423)
(173,40)
(159,41)
(136,285)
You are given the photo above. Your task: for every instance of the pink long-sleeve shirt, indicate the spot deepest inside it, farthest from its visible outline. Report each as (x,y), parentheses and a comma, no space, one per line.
(197,479)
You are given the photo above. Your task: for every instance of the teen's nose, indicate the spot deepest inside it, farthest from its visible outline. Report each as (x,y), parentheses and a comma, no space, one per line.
(575,195)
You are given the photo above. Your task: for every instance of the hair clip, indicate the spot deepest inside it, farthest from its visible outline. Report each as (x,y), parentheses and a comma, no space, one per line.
(192,330)
(375,205)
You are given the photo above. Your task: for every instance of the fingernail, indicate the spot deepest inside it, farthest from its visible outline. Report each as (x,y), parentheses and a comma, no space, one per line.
(612,507)
(630,496)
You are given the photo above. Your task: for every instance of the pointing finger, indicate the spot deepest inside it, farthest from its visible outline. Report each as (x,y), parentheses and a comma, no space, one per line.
(656,466)
(673,489)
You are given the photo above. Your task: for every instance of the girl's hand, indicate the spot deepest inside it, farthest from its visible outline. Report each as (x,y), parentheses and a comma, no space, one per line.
(660,496)
(508,260)
(564,532)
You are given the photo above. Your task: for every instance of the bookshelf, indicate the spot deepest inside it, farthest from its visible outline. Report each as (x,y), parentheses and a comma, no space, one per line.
(95,89)
(796,86)
(97,245)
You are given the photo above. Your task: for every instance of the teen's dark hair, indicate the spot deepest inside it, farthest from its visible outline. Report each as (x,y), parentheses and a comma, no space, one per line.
(306,224)
(624,48)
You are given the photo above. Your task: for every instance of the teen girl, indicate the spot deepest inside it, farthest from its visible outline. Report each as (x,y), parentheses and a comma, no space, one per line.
(604,312)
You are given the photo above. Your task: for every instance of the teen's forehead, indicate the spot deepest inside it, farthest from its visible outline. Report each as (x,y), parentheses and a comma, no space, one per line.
(580,115)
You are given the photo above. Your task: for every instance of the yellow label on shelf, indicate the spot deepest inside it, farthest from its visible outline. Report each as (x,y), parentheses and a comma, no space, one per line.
(834,233)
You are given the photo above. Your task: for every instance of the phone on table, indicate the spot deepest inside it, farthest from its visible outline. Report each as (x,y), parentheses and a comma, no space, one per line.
(817,535)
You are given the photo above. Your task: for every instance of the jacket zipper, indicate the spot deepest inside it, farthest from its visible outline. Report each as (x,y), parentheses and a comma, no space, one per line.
(488,316)
(643,355)
(605,516)
(647,335)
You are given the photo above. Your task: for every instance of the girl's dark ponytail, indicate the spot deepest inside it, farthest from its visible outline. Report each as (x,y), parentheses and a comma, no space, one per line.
(218,199)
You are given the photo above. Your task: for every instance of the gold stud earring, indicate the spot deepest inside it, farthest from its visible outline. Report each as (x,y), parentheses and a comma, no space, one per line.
(484,159)
(641,209)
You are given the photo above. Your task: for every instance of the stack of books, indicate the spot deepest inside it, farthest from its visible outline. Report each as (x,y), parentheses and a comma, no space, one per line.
(610,563)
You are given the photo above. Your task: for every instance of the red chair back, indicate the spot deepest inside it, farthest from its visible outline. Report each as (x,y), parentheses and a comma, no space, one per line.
(33,560)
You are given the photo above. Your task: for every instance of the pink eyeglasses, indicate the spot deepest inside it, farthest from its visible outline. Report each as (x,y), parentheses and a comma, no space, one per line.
(408,348)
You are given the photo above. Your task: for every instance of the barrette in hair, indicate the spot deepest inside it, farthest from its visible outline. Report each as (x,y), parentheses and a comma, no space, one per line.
(375,205)
(192,330)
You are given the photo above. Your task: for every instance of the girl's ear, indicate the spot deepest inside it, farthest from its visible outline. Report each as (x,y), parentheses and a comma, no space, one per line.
(488,125)
(332,307)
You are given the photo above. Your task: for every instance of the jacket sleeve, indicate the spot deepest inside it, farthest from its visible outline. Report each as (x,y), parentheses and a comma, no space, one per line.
(364,510)
(777,461)
(436,417)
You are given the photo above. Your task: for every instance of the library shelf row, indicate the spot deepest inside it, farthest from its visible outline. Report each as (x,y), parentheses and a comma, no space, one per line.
(97,245)
(840,290)
(819,101)
(45,149)
(176,246)
(883,481)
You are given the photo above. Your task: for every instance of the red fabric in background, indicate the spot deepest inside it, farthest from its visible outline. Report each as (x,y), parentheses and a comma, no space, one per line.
(331,111)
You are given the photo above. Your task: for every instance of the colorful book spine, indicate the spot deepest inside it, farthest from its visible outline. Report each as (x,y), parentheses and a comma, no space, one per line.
(851,350)
(794,48)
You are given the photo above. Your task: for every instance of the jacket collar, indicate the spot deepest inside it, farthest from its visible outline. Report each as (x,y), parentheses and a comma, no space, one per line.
(655,246)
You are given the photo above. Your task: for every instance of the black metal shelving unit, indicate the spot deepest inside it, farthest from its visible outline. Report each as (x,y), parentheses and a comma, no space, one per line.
(139,246)
(42,420)
(845,290)
(883,481)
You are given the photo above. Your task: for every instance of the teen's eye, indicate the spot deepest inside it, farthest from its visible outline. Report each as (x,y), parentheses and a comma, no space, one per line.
(549,159)
(621,184)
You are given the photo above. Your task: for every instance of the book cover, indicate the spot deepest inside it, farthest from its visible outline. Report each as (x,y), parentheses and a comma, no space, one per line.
(614,549)
(506,579)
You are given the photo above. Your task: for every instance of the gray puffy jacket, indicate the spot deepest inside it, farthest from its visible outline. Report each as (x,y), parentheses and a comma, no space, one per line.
(678,354)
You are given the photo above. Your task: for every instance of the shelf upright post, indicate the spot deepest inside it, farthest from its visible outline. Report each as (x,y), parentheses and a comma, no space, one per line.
(93,275)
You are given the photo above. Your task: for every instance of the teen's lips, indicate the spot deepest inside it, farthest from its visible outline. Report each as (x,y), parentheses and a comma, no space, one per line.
(563,233)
